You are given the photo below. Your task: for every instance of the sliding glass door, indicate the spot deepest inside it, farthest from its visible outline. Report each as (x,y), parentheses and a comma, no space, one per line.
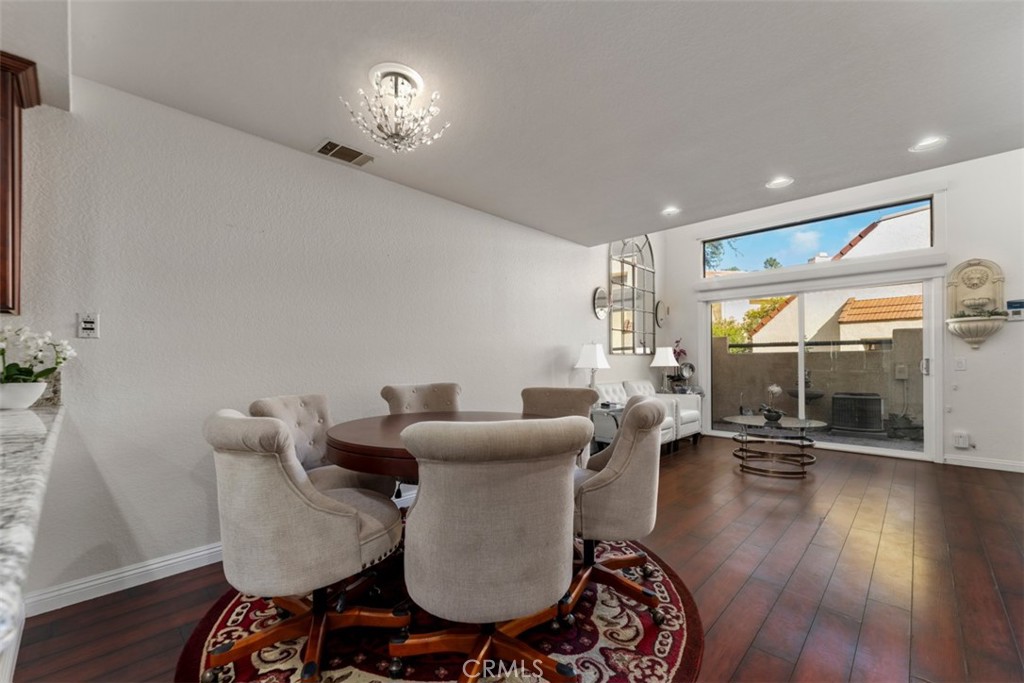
(851,357)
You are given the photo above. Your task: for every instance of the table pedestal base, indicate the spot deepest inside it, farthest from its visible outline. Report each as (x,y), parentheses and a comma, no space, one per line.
(785,458)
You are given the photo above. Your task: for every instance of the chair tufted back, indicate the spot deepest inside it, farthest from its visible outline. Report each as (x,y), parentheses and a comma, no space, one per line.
(618,499)
(308,420)
(489,537)
(558,401)
(422,398)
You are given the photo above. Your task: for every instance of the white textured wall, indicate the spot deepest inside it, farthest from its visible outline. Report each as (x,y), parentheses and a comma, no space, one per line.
(226,268)
(984,217)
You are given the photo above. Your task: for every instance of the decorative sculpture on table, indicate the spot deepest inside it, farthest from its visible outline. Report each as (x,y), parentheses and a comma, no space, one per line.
(974,294)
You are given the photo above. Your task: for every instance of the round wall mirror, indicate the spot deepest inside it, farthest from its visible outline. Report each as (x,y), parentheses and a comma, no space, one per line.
(601,303)
(686,370)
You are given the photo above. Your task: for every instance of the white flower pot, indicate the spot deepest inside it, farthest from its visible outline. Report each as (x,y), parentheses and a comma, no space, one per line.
(20,395)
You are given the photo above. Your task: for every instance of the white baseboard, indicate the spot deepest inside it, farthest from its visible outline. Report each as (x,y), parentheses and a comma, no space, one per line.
(986,463)
(91,587)
(106,583)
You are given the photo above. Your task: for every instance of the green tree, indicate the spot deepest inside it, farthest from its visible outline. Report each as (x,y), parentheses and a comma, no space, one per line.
(714,252)
(771,263)
(752,318)
(731,330)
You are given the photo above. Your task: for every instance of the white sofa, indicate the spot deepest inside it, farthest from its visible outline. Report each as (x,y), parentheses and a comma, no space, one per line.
(682,411)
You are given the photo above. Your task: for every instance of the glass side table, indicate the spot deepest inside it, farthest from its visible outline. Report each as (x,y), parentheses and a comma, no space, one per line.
(606,422)
(777,449)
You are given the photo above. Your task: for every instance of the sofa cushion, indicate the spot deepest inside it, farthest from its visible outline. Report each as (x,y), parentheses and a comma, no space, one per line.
(639,387)
(688,416)
(612,392)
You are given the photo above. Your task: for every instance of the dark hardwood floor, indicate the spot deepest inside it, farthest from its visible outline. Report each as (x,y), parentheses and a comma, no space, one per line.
(871,569)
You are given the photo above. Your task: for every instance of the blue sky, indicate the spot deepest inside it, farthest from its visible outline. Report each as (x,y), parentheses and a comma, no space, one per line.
(794,245)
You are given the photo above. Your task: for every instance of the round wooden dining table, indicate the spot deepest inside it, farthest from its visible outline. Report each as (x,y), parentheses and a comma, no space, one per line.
(374,444)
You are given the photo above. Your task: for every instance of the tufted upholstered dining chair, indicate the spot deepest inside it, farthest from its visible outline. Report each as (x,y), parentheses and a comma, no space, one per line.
(616,499)
(307,418)
(489,538)
(558,401)
(422,398)
(282,537)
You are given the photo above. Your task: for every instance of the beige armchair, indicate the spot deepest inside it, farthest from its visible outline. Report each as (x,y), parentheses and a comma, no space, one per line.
(308,420)
(422,398)
(489,538)
(282,537)
(616,498)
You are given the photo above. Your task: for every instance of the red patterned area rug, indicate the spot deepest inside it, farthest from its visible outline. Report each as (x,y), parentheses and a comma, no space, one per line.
(613,639)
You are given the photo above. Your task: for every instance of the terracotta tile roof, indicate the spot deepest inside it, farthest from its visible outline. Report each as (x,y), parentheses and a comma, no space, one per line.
(867,231)
(771,316)
(877,310)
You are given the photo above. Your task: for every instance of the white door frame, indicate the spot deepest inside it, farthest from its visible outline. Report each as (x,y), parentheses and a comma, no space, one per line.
(933,289)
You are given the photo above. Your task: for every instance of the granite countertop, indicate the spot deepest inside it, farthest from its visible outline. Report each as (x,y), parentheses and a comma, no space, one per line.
(27,441)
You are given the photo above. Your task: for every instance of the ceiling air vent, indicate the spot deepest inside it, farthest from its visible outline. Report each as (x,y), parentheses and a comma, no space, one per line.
(343,154)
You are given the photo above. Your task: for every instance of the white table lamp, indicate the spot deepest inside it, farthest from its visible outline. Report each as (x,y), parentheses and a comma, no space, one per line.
(592,357)
(664,358)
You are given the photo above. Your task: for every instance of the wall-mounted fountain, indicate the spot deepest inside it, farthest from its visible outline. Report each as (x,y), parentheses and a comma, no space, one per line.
(974,294)
(809,393)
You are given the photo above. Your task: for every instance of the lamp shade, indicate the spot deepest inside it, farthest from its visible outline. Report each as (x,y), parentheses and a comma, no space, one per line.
(664,358)
(592,356)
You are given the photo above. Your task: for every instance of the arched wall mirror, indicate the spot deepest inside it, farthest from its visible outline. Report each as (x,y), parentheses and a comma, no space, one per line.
(631,294)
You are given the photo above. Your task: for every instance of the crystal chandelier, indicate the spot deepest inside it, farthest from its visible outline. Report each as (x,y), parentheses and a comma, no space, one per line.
(396,124)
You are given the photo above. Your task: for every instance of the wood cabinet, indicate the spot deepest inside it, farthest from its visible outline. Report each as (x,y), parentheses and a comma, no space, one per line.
(19,89)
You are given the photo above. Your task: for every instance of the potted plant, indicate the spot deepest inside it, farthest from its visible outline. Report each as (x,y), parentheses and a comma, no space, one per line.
(680,355)
(975,326)
(26,360)
(768,410)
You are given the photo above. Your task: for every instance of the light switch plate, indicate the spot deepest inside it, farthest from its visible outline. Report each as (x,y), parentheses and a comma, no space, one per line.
(88,325)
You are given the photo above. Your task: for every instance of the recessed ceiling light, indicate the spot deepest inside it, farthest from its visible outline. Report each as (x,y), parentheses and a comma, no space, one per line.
(779,182)
(929,143)
(670,211)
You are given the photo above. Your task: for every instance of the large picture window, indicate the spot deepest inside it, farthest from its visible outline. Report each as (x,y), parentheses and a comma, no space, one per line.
(882,230)
(631,284)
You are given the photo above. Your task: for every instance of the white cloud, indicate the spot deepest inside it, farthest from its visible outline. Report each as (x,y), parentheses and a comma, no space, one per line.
(805,241)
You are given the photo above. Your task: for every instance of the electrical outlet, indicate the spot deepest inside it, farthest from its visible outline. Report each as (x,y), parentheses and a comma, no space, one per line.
(959,363)
(88,325)
(900,371)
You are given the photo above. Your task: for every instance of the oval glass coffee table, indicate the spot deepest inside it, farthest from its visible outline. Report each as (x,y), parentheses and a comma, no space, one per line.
(778,449)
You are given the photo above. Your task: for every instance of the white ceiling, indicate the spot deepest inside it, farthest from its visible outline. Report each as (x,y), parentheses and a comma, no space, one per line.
(585,119)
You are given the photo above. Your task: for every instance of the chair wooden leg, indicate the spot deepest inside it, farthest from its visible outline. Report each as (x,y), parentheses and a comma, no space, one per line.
(377,617)
(527,660)
(294,605)
(482,645)
(460,640)
(473,667)
(314,646)
(622,561)
(622,585)
(313,619)
(290,628)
